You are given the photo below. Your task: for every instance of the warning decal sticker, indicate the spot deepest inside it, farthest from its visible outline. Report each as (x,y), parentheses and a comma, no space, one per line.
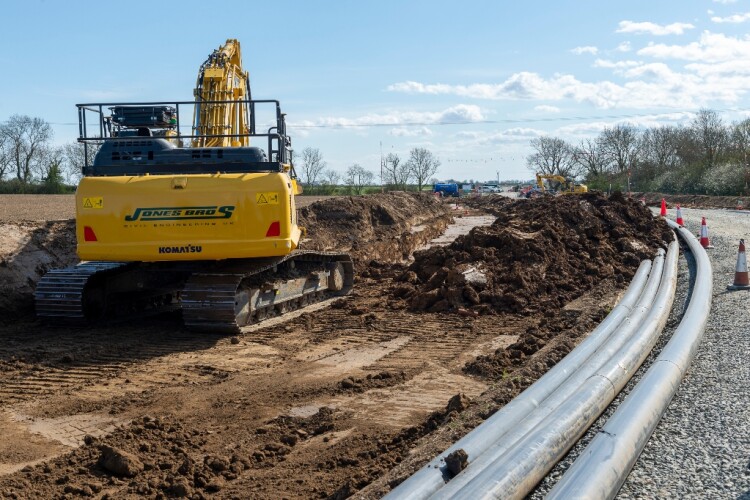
(93,202)
(267,198)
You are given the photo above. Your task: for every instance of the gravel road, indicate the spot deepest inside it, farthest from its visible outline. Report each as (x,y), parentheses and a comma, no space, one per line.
(701,448)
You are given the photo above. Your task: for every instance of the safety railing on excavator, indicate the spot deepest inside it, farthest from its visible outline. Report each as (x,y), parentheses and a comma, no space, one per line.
(106,129)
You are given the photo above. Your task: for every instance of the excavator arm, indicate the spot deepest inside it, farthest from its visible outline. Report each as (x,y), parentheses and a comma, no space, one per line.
(221,78)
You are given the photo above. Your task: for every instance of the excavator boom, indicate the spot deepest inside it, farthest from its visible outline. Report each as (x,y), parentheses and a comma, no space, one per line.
(222,117)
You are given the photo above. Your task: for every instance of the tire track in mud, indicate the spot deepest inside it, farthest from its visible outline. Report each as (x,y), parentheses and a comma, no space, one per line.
(59,360)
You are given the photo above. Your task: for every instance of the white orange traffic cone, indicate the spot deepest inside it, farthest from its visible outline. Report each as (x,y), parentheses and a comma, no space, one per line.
(741,281)
(663,212)
(705,242)
(679,217)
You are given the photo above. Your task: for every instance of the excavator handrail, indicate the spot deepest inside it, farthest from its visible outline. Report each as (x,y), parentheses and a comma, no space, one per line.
(106,125)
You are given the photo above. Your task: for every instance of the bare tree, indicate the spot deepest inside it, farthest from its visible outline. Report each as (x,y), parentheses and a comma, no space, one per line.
(659,148)
(331,177)
(620,146)
(357,177)
(76,157)
(396,172)
(329,180)
(25,140)
(711,134)
(552,156)
(588,156)
(6,158)
(422,165)
(312,165)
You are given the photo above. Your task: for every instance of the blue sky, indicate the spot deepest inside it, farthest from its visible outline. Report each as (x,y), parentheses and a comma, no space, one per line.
(471,81)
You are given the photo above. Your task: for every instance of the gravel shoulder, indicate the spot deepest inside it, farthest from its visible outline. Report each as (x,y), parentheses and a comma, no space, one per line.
(701,448)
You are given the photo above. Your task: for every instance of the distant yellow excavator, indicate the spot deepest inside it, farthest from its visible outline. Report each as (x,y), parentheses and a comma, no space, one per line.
(210,228)
(567,186)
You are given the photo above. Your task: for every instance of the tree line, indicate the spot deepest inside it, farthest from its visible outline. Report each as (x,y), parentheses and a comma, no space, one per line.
(706,156)
(397,174)
(31,163)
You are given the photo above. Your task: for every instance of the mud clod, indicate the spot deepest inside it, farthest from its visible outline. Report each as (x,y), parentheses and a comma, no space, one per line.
(457,461)
(119,462)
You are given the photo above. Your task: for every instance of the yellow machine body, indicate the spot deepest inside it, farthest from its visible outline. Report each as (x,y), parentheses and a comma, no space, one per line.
(568,186)
(186,217)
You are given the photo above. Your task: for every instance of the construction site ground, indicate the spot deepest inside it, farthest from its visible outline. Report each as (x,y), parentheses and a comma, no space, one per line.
(346,397)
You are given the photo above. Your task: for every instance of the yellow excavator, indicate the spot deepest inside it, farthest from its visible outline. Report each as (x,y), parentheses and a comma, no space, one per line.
(204,223)
(567,186)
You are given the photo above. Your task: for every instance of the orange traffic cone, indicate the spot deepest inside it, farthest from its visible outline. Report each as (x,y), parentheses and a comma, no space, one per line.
(705,242)
(663,212)
(741,281)
(679,217)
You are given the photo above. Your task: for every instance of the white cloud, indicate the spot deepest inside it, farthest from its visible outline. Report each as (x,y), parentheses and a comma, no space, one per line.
(653,28)
(517,134)
(646,86)
(588,129)
(471,138)
(605,63)
(462,113)
(410,131)
(725,2)
(624,47)
(711,47)
(545,108)
(733,19)
(585,50)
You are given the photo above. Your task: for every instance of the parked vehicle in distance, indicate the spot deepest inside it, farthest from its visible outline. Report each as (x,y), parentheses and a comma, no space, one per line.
(489,188)
(447,189)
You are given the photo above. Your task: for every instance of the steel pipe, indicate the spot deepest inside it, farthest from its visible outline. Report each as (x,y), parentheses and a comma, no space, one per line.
(606,462)
(434,475)
(621,336)
(516,472)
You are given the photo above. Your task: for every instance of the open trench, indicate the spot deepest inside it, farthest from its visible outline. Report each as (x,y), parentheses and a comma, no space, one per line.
(342,398)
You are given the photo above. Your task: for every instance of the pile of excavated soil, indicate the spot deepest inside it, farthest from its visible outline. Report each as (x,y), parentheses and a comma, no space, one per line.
(27,251)
(385,227)
(538,255)
(151,458)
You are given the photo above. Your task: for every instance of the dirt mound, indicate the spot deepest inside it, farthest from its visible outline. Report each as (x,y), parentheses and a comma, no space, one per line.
(539,255)
(151,457)
(27,251)
(385,227)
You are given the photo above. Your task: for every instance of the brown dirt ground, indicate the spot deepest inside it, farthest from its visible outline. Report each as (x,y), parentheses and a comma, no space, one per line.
(344,398)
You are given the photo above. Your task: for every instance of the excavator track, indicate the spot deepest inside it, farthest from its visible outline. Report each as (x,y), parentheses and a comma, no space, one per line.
(60,293)
(224,301)
(219,296)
